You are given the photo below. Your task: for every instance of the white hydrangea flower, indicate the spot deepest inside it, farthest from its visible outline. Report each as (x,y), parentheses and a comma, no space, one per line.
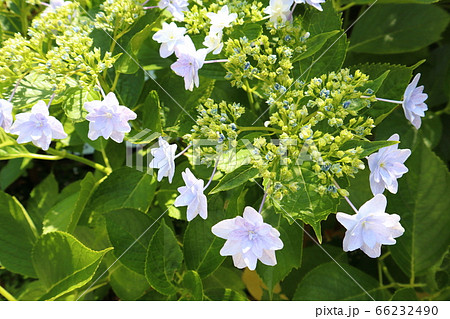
(37,127)
(248,239)
(192,196)
(176,7)
(222,19)
(279,10)
(413,102)
(386,166)
(169,36)
(189,62)
(108,118)
(371,227)
(164,159)
(213,41)
(53,5)
(314,3)
(6,117)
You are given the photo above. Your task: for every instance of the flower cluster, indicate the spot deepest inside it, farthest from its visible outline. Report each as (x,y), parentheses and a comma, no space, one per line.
(190,60)
(217,123)
(118,15)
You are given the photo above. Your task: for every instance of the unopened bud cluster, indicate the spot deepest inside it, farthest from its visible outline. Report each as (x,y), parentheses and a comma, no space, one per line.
(217,123)
(59,47)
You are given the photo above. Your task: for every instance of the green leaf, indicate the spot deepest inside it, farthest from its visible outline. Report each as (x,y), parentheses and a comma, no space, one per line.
(59,216)
(201,247)
(75,98)
(193,284)
(236,178)
(313,256)
(42,198)
(35,87)
(405,28)
(87,187)
(125,227)
(393,86)
(368,146)
(331,282)
(12,171)
(151,113)
(179,106)
(63,264)
(226,276)
(221,294)
(164,257)
(423,204)
(123,188)
(9,147)
(289,257)
(374,85)
(128,63)
(130,87)
(332,54)
(249,30)
(17,236)
(127,284)
(305,203)
(408,294)
(314,44)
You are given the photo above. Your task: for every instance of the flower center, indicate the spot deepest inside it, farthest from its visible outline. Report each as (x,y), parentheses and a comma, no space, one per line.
(252,235)
(109,115)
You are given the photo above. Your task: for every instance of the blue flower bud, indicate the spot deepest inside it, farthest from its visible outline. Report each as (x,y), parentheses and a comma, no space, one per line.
(247,66)
(325,93)
(332,189)
(346,104)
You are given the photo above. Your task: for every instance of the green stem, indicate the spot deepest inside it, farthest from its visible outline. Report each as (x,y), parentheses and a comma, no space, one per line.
(386,273)
(33,156)
(116,80)
(251,98)
(105,157)
(348,6)
(380,273)
(6,294)
(397,285)
(258,128)
(65,154)
(24,18)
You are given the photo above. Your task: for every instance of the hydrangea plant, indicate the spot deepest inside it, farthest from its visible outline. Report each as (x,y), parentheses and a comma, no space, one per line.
(272,121)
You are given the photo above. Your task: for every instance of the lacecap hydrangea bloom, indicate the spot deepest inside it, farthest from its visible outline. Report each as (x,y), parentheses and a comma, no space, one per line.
(169,36)
(164,159)
(176,7)
(190,60)
(222,19)
(314,3)
(213,41)
(108,118)
(371,227)
(248,239)
(413,102)
(6,117)
(192,196)
(279,11)
(386,166)
(37,127)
